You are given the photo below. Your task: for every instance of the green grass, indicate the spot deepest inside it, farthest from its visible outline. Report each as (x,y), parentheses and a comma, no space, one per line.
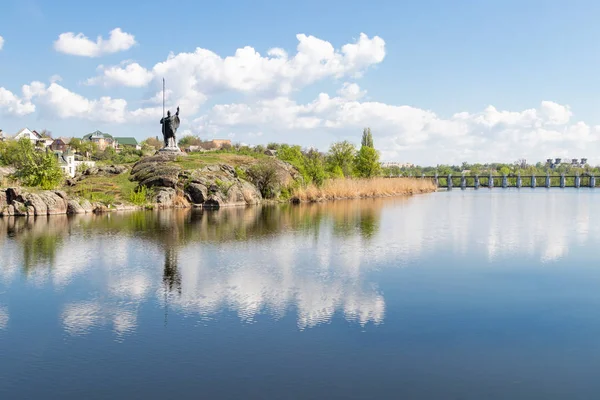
(104,189)
(199,160)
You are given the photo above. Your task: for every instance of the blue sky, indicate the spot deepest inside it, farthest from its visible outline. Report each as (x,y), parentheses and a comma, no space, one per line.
(440,59)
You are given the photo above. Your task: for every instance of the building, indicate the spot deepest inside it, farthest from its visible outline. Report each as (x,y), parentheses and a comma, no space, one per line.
(60,144)
(67,163)
(127,142)
(102,140)
(215,144)
(35,138)
(390,164)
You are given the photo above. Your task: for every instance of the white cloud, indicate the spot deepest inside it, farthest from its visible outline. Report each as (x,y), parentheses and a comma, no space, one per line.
(10,104)
(81,45)
(1,42)
(192,77)
(132,75)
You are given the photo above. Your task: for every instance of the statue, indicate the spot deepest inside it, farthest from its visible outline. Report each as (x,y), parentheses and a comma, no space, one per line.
(170,123)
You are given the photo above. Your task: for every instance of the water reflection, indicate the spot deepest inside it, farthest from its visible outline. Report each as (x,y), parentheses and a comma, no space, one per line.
(315,261)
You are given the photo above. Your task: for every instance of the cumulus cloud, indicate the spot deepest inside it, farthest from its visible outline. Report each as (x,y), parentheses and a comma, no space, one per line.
(81,45)
(191,77)
(1,42)
(131,75)
(11,104)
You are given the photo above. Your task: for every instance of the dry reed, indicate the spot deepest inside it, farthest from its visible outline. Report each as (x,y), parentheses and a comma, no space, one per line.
(334,189)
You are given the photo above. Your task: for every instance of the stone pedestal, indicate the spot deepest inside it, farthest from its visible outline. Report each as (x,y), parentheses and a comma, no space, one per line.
(171,150)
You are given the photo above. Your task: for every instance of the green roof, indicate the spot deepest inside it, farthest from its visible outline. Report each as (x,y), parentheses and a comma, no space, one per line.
(127,141)
(97,134)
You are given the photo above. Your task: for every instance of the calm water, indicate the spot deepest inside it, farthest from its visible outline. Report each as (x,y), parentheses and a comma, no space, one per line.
(455,295)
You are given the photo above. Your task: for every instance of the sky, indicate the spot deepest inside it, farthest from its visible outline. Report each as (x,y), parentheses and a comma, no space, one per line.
(437,82)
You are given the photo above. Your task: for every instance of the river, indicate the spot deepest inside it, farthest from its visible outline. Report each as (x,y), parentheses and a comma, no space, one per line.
(488,294)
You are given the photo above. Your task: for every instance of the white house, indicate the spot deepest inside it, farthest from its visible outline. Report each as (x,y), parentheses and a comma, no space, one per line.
(25,133)
(68,164)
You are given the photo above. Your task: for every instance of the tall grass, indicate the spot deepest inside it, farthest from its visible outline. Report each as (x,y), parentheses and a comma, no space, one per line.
(356,188)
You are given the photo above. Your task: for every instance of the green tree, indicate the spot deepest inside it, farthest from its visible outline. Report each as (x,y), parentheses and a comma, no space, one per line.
(341,155)
(190,140)
(366,162)
(264,176)
(36,168)
(315,167)
(367,138)
(153,142)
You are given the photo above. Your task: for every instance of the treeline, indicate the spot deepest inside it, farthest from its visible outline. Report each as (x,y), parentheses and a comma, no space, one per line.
(342,160)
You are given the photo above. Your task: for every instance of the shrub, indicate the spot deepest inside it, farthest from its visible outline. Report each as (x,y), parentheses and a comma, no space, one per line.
(240,173)
(140,195)
(36,168)
(264,176)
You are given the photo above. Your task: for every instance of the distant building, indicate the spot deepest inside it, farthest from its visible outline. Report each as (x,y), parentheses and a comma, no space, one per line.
(130,142)
(390,164)
(67,163)
(35,138)
(102,140)
(60,144)
(215,144)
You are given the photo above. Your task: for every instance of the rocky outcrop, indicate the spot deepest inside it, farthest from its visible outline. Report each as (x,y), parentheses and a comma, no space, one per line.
(15,202)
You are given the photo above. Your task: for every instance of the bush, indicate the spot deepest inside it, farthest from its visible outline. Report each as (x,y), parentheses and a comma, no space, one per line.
(240,173)
(140,195)
(264,176)
(36,168)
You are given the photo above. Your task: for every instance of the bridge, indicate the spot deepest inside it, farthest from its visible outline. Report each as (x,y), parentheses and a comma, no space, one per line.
(515,181)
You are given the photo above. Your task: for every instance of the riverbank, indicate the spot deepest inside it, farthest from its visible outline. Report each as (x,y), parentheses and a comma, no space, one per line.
(166,181)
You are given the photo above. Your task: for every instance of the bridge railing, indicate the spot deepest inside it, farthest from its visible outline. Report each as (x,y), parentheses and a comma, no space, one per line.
(514,181)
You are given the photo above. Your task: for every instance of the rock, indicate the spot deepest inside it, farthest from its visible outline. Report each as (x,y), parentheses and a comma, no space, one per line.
(37,202)
(62,195)
(213,189)
(55,204)
(213,201)
(197,192)
(228,169)
(73,207)
(8,211)
(19,208)
(13,194)
(165,197)
(100,209)
(30,211)
(250,192)
(3,201)
(87,206)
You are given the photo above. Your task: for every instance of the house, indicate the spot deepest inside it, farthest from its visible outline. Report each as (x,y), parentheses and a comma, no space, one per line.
(60,144)
(67,163)
(215,144)
(127,142)
(102,140)
(25,133)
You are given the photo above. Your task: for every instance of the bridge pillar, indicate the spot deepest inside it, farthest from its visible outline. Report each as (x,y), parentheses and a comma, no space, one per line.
(547,180)
(519,182)
(449,181)
(476,183)
(422,176)
(463,182)
(577,181)
(504,181)
(592,181)
(562,180)
(491,181)
(436,181)
(533,181)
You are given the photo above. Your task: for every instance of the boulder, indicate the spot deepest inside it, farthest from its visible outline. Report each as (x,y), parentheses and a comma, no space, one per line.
(73,207)
(197,192)
(37,202)
(100,209)
(214,201)
(165,197)
(3,201)
(55,204)
(87,206)
(13,194)
(8,211)
(19,209)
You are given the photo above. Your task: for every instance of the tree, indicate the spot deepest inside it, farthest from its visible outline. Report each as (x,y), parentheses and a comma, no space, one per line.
(36,168)
(153,142)
(367,138)
(366,162)
(264,176)
(341,155)
(190,140)
(45,133)
(315,167)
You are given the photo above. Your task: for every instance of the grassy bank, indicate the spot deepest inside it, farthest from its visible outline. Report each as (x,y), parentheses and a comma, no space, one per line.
(360,188)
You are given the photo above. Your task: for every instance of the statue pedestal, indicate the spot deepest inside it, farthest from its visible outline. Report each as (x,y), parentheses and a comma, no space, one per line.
(171,150)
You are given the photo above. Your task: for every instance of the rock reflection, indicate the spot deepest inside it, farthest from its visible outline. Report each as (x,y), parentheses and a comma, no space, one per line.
(312,261)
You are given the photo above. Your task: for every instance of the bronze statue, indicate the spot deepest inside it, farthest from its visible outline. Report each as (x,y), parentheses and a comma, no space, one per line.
(170,123)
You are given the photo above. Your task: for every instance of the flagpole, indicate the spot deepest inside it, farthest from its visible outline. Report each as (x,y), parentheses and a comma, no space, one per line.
(163,126)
